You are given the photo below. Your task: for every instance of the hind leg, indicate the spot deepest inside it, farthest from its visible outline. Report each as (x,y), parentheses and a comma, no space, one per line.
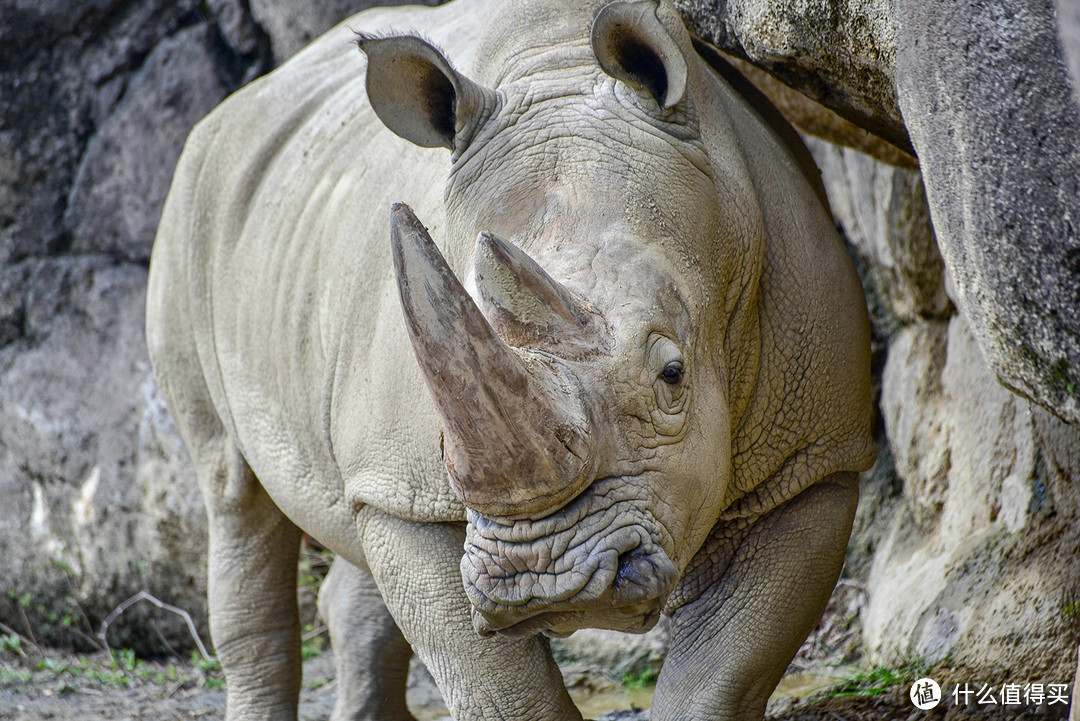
(254,620)
(371,655)
(251,560)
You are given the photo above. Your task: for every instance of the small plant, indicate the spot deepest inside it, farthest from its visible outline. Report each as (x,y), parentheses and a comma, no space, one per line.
(123,659)
(206,665)
(11,643)
(637,681)
(313,566)
(16,676)
(880,679)
(108,677)
(312,647)
(52,666)
(210,669)
(23,600)
(120,669)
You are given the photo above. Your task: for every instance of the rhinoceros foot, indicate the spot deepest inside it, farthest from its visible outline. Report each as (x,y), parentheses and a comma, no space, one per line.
(599,562)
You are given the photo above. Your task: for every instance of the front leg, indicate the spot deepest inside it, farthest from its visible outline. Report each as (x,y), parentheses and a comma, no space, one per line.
(769,585)
(417,569)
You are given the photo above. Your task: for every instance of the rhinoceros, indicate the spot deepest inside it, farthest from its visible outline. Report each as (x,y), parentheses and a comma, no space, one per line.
(614,365)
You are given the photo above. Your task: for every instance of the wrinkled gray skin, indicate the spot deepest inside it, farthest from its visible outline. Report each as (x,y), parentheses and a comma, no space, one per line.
(651,394)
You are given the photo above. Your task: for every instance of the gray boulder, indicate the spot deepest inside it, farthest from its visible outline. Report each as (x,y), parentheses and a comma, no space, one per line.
(126,167)
(841,54)
(99,499)
(989,105)
(101,95)
(966,530)
(883,212)
(292,25)
(978,560)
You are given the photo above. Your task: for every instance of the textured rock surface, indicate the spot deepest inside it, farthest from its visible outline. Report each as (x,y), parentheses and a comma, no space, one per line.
(100,501)
(989,105)
(176,84)
(841,53)
(616,654)
(965,538)
(979,560)
(814,118)
(292,25)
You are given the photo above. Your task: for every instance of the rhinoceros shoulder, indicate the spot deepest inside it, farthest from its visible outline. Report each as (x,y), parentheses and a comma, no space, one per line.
(807,413)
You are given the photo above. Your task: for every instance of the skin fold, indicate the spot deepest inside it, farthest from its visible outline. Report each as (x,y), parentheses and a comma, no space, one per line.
(610,361)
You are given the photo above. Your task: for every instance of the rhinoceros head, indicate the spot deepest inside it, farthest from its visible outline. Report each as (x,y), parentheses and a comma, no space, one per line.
(581,364)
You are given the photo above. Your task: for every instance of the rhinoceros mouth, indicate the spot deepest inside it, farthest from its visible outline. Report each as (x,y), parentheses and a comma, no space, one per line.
(635,619)
(598,562)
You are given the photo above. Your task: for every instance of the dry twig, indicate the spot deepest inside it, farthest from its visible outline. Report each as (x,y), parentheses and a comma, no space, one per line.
(146,596)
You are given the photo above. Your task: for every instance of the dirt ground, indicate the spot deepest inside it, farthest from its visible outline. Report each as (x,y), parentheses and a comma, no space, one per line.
(59,687)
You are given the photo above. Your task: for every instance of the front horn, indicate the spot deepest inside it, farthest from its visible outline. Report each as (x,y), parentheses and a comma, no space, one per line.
(516,438)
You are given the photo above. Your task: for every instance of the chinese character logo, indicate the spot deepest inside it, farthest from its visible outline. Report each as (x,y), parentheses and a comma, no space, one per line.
(925,694)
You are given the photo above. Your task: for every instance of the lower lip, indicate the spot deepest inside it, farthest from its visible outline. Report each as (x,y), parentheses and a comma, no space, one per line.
(552,623)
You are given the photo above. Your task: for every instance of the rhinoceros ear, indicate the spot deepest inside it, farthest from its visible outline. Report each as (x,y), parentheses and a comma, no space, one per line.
(415,91)
(633,46)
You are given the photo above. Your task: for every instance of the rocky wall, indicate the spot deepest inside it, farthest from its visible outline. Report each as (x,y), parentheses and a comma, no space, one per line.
(96,99)
(966,539)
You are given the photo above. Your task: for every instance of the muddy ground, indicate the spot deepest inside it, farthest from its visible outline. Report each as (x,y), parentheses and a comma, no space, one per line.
(35,685)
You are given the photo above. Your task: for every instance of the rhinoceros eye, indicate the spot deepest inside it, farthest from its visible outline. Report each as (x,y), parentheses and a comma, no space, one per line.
(672,373)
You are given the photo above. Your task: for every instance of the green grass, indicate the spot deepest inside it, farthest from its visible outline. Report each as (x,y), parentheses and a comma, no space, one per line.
(312,647)
(312,568)
(636,681)
(206,665)
(878,680)
(11,643)
(15,675)
(118,669)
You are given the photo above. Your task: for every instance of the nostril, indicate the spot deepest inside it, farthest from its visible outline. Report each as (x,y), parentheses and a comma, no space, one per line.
(643,574)
(632,569)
